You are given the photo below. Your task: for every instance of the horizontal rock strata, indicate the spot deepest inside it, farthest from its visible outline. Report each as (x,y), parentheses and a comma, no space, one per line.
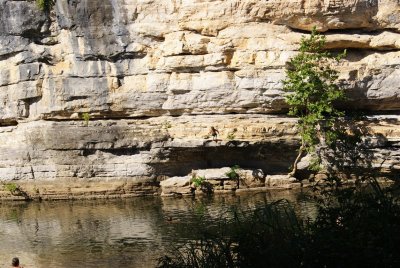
(131,156)
(151,77)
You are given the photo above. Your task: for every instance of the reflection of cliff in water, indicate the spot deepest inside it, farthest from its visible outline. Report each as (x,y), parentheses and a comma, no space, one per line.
(107,233)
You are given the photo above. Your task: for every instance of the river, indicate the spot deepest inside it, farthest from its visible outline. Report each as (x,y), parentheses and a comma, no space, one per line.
(116,233)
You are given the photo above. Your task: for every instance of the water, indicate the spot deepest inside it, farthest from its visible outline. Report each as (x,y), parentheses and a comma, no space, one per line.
(114,233)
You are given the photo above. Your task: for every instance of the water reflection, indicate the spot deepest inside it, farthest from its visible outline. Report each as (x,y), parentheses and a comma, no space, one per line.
(110,233)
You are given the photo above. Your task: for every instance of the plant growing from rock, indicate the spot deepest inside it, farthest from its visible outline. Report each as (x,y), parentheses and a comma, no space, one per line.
(201,183)
(313,91)
(198,181)
(45,5)
(86,118)
(233,173)
(349,229)
(166,125)
(16,190)
(11,187)
(231,135)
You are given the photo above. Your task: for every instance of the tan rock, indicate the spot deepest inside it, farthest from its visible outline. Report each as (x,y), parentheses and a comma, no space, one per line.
(283,181)
(155,75)
(176,185)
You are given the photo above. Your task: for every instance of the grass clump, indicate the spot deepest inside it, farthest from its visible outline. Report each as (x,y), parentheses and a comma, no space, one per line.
(352,227)
(198,181)
(233,173)
(45,5)
(11,187)
(86,118)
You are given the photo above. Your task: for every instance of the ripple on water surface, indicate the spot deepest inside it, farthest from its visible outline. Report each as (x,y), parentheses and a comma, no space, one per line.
(112,233)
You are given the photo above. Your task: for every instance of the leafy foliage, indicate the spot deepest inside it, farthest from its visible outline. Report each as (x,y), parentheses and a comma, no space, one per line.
(86,118)
(198,181)
(230,136)
(233,173)
(352,228)
(45,5)
(311,81)
(16,190)
(11,187)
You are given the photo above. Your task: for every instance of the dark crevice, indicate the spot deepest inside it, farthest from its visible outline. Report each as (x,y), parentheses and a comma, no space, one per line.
(72,98)
(114,58)
(87,152)
(349,31)
(155,38)
(46,60)
(126,55)
(357,31)
(28,102)
(183,112)
(187,54)
(32,34)
(33,100)
(7,123)
(122,151)
(181,161)
(35,35)
(356,50)
(10,55)
(188,69)
(203,34)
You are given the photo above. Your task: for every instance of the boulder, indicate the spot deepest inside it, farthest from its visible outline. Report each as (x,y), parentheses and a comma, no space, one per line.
(176,186)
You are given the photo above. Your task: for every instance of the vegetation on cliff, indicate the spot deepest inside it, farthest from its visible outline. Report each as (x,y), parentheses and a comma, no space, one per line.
(353,227)
(311,83)
(45,5)
(356,226)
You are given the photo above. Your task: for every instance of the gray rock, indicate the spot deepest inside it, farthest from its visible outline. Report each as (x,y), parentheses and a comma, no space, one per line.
(154,76)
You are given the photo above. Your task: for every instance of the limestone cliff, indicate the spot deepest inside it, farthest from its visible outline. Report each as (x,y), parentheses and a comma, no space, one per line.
(154,75)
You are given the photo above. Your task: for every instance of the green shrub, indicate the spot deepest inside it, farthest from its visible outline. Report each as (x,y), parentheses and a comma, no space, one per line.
(230,136)
(353,227)
(86,118)
(313,85)
(202,184)
(11,187)
(45,5)
(198,181)
(16,190)
(232,173)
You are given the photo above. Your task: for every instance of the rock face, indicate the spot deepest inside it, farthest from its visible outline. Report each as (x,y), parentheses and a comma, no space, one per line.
(154,75)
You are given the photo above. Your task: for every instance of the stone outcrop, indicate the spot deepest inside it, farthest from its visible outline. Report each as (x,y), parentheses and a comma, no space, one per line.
(153,76)
(222,180)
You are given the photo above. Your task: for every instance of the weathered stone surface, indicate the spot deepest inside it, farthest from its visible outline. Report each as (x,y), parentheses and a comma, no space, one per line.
(134,58)
(212,174)
(251,178)
(138,154)
(138,149)
(155,75)
(176,185)
(281,181)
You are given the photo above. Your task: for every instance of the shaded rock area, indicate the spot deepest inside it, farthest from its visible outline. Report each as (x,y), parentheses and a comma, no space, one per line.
(128,157)
(222,180)
(152,77)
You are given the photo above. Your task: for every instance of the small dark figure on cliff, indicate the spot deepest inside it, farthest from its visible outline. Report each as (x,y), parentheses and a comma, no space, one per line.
(15,263)
(214,133)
